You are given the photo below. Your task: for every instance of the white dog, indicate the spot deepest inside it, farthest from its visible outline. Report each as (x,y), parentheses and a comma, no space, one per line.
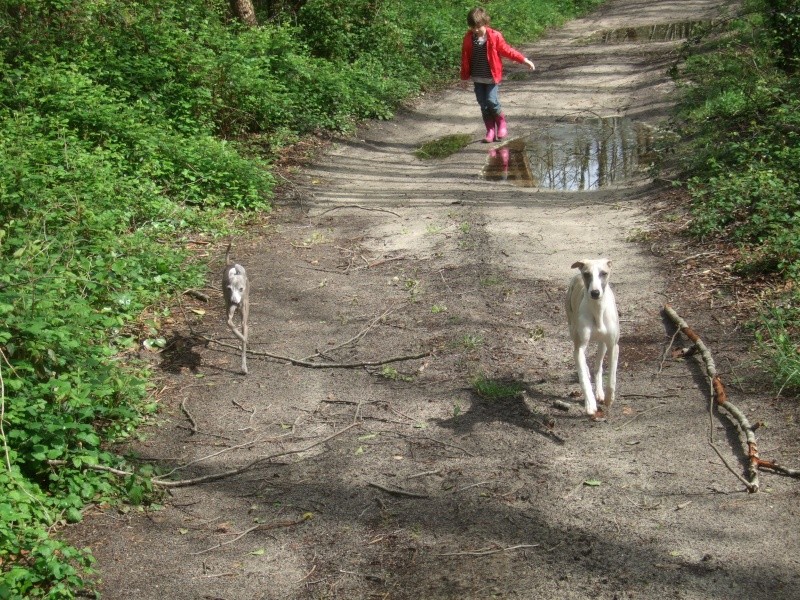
(592,316)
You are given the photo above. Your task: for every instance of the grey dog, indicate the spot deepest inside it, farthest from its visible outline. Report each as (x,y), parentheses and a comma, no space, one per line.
(236,289)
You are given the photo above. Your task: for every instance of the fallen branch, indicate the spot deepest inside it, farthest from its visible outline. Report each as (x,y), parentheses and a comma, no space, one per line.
(379,262)
(487,551)
(396,491)
(357,206)
(170,484)
(720,398)
(312,365)
(198,295)
(224,450)
(430,439)
(262,526)
(189,415)
(353,339)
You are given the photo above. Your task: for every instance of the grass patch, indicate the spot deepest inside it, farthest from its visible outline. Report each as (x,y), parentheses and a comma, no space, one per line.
(443,147)
(496,389)
(471,341)
(393,374)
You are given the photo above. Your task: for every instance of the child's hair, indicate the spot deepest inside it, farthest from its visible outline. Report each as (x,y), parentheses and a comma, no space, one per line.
(477,17)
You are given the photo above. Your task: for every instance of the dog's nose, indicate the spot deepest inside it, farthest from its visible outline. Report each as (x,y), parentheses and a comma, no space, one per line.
(595,294)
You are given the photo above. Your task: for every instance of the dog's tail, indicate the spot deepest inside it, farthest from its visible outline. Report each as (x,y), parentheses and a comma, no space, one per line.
(228,254)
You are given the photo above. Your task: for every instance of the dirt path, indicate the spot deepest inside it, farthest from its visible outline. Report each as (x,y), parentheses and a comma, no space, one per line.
(436,492)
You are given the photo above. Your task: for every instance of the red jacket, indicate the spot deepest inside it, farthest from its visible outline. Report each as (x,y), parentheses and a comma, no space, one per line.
(496,47)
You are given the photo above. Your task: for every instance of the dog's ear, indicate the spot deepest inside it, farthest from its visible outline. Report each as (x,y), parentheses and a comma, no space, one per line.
(608,263)
(577,265)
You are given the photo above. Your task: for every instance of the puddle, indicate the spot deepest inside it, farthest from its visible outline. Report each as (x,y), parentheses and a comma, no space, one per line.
(573,157)
(670,32)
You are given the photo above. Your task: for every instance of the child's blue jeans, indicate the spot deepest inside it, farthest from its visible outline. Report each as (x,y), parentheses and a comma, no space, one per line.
(487,96)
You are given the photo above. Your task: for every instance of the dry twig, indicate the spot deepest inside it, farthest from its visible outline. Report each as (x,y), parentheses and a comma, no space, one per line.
(198,295)
(487,551)
(311,365)
(166,483)
(262,526)
(353,339)
(357,206)
(396,491)
(189,415)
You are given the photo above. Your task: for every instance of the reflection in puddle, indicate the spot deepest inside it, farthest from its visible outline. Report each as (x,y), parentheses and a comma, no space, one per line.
(573,156)
(650,33)
(510,162)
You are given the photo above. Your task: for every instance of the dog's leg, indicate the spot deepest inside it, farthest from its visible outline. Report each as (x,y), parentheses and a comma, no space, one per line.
(242,335)
(611,389)
(231,313)
(584,378)
(245,315)
(600,394)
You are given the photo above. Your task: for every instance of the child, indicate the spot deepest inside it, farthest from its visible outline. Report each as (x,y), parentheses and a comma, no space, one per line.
(481,61)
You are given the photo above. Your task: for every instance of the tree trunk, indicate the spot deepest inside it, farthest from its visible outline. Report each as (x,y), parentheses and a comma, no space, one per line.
(244,11)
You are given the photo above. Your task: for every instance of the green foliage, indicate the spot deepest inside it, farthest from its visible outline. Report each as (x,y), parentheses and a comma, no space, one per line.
(742,114)
(783,22)
(777,338)
(742,119)
(126,127)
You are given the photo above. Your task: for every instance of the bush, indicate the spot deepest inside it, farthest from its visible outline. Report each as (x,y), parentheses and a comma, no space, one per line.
(783,21)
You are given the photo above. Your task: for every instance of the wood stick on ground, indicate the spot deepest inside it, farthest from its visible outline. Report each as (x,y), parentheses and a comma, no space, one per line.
(487,551)
(189,415)
(310,365)
(198,295)
(429,439)
(262,526)
(359,207)
(228,449)
(396,491)
(666,352)
(178,483)
(720,396)
(353,339)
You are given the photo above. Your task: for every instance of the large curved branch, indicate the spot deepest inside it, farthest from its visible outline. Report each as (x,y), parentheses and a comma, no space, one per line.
(720,397)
